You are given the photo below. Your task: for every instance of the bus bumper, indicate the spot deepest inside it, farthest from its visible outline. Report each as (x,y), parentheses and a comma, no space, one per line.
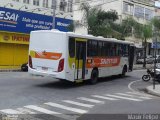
(45,74)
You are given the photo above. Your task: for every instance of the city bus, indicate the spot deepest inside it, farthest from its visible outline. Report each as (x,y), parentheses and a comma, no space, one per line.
(76,57)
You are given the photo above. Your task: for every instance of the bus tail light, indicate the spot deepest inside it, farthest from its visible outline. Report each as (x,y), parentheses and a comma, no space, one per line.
(30,62)
(61,65)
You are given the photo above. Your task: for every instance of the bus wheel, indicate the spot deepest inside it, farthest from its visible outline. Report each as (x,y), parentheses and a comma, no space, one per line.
(94,77)
(124,71)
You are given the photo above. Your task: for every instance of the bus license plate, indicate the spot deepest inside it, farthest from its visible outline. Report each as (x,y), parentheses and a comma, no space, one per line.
(44,68)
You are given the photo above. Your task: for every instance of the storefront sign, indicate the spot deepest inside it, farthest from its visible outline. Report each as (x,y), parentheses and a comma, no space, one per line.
(156,45)
(25,22)
(14,38)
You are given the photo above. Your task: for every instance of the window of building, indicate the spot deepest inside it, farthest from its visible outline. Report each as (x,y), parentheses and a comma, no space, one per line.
(45,3)
(36,2)
(77,1)
(54,4)
(26,1)
(70,2)
(128,8)
(148,14)
(139,12)
(63,5)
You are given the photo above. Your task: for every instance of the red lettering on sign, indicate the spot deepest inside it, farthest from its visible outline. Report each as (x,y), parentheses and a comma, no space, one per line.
(20,38)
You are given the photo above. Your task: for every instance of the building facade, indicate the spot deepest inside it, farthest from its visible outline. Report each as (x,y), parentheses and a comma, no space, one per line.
(19,17)
(141,10)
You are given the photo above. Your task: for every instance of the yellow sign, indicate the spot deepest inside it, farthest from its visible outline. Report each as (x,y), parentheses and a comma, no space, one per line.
(14,38)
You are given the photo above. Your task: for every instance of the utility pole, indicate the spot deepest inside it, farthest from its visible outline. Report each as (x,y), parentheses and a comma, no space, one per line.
(54,13)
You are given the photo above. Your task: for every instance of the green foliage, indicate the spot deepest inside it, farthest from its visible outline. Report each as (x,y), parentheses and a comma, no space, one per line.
(101,23)
(156,23)
(109,16)
(71,27)
(146,31)
(98,21)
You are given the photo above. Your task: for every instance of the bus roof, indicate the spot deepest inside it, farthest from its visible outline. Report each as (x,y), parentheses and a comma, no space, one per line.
(100,38)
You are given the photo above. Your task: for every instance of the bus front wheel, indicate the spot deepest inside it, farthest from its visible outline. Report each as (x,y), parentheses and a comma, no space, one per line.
(94,77)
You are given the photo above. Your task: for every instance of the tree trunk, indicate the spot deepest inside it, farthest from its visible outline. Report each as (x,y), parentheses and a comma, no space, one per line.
(145,46)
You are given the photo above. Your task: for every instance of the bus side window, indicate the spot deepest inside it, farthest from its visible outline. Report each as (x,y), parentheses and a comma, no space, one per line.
(100,47)
(107,49)
(113,50)
(94,48)
(89,48)
(124,50)
(71,47)
(119,50)
(103,49)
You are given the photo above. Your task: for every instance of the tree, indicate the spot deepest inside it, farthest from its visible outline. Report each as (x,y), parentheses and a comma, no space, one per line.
(97,21)
(146,34)
(156,23)
(124,29)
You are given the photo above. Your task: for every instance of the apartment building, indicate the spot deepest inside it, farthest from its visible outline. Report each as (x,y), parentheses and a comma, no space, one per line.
(141,10)
(63,8)
(19,17)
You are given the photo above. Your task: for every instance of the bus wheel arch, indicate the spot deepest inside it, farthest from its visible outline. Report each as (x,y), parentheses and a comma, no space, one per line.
(94,76)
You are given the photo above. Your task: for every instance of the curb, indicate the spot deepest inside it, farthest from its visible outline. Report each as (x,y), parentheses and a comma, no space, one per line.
(139,68)
(150,90)
(10,70)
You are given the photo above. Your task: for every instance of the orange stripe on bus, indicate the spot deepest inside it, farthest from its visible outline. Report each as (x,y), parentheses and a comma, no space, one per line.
(48,55)
(103,62)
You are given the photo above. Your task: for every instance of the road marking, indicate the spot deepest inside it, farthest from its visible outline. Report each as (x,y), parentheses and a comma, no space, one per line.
(10,111)
(104,97)
(66,107)
(46,111)
(133,99)
(129,85)
(133,96)
(78,103)
(140,94)
(90,100)
(26,111)
(40,109)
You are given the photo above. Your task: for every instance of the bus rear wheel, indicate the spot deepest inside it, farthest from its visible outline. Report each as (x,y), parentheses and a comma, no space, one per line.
(124,71)
(94,77)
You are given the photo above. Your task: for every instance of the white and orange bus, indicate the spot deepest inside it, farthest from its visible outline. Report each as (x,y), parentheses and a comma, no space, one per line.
(75,57)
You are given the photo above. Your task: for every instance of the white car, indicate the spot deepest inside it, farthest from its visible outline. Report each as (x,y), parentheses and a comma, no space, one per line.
(149,60)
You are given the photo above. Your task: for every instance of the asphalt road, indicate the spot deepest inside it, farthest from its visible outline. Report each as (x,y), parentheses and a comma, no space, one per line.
(111,97)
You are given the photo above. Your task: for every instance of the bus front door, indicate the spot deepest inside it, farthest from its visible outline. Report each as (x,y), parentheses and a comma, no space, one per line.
(80,60)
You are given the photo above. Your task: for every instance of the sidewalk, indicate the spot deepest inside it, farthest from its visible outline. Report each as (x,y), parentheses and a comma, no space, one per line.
(155,91)
(140,66)
(10,70)
(149,89)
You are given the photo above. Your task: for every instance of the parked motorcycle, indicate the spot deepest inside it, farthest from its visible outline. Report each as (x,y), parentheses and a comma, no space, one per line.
(151,74)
